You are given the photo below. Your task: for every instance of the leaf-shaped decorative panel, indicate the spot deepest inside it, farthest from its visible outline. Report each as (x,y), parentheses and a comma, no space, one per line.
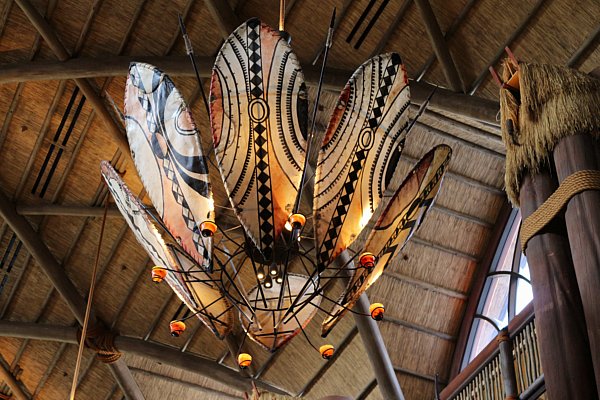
(166,150)
(194,286)
(403,215)
(360,151)
(258,119)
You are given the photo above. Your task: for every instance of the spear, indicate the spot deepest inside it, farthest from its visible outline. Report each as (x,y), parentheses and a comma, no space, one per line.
(311,133)
(190,52)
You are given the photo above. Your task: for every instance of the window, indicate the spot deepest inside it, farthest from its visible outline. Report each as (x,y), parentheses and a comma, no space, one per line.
(507,290)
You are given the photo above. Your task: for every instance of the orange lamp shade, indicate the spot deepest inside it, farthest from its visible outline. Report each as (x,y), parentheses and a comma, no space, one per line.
(367,260)
(158,274)
(208,228)
(377,310)
(326,351)
(296,221)
(177,328)
(244,360)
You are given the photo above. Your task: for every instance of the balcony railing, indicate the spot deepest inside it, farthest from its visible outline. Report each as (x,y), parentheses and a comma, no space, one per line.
(508,367)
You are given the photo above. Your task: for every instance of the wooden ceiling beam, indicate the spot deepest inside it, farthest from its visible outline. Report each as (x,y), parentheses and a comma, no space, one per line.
(150,350)
(223,15)
(440,47)
(522,26)
(580,55)
(334,79)
(61,283)
(52,40)
(17,390)
(418,328)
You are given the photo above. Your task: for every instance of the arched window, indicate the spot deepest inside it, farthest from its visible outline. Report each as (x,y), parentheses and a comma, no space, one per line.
(506,291)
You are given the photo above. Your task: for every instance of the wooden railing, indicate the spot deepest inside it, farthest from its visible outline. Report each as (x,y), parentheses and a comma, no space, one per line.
(507,368)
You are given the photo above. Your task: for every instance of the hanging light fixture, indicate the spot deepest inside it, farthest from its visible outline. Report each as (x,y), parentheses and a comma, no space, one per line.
(266,270)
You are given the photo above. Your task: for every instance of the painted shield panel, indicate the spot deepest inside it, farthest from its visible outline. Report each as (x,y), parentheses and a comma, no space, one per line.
(269,328)
(359,154)
(166,150)
(191,283)
(258,119)
(402,217)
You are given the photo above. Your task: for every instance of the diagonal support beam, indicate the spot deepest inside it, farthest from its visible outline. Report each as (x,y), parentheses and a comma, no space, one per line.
(49,35)
(153,351)
(223,15)
(63,285)
(440,46)
(378,355)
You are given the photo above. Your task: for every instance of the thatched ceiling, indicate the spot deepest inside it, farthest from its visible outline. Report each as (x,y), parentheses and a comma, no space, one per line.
(46,178)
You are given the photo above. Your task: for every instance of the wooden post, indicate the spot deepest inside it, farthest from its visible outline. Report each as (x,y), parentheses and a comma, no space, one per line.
(507,365)
(562,334)
(582,217)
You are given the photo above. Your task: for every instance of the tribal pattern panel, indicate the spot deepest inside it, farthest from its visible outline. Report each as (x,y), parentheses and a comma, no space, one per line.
(258,108)
(359,154)
(402,217)
(212,306)
(144,230)
(166,150)
(269,329)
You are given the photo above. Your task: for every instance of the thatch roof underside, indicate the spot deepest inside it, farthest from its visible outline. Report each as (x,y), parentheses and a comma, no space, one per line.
(425,290)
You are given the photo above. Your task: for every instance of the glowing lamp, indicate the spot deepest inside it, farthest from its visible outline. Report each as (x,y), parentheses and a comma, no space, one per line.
(279,279)
(273,270)
(260,272)
(268,282)
(295,221)
(158,274)
(177,328)
(367,260)
(377,310)
(244,360)
(326,351)
(208,228)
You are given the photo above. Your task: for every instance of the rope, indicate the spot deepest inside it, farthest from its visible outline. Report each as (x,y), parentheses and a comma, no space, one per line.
(102,342)
(576,183)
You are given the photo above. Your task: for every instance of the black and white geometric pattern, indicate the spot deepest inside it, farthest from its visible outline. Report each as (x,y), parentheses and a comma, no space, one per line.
(261,142)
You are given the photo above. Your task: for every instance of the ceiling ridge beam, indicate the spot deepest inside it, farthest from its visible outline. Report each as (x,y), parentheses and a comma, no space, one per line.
(440,47)
(334,79)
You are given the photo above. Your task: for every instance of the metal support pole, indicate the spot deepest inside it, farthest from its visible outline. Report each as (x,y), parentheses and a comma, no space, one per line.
(378,355)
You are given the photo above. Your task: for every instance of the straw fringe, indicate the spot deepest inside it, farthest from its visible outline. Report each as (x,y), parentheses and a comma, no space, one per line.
(555,102)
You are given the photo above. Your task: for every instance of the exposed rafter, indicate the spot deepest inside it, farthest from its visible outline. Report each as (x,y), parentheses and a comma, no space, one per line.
(439,45)
(153,351)
(49,35)
(223,15)
(334,79)
(63,285)
(6,376)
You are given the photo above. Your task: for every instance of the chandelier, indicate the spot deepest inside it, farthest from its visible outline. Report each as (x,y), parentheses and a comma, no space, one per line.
(301,198)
